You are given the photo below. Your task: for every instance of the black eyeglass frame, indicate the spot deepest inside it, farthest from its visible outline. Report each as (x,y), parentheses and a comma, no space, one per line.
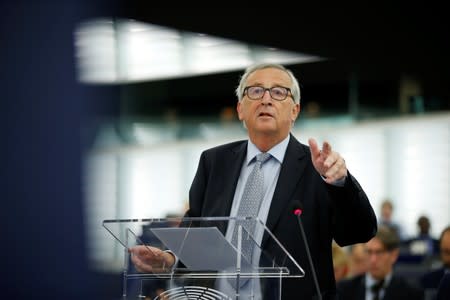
(288,94)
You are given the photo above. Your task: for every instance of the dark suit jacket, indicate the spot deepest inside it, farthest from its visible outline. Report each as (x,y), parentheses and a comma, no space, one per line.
(432,279)
(342,213)
(398,288)
(443,292)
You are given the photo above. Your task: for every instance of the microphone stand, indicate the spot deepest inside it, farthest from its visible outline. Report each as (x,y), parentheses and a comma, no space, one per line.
(298,212)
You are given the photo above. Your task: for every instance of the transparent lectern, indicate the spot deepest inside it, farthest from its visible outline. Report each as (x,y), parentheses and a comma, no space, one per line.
(211,264)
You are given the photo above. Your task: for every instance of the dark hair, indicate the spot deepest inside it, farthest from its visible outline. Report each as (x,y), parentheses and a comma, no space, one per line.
(388,237)
(424,224)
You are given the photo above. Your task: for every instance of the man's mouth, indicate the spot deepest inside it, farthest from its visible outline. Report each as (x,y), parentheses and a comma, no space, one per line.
(265,114)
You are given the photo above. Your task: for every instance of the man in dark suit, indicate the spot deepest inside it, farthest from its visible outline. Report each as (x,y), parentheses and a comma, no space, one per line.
(380,281)
(432,279)
(443,291)
(334,204)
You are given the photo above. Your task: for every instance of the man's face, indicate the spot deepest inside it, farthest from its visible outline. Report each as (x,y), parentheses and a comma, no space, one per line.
(445,249)
(267,116)
(386,212)
(381,260)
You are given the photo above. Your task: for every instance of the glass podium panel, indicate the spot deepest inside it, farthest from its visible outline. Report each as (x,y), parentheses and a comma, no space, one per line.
(210,263)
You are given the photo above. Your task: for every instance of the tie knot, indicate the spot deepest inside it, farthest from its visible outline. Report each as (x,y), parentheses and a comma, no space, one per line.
(262,157)
(377,286)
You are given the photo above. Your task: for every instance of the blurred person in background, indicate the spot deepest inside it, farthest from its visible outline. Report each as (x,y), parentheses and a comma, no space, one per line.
(380,281)
(443,292)
(358,260)
(424,243)
(387,219)
(340,262)
(432,279)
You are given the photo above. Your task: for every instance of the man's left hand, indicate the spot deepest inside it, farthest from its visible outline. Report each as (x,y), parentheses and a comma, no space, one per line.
(330,164)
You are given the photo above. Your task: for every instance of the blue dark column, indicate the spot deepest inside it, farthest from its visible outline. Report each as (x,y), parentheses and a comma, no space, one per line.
(42,111)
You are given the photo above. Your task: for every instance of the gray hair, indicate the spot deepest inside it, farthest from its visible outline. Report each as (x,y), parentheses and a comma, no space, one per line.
(295,87)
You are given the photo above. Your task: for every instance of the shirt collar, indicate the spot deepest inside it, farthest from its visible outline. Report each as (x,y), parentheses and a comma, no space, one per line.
(370,281)
(278,151)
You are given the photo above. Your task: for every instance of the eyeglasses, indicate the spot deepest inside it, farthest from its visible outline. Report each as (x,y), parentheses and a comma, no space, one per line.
(278,93)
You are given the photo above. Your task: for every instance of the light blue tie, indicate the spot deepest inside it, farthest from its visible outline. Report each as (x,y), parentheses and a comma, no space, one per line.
(249,207)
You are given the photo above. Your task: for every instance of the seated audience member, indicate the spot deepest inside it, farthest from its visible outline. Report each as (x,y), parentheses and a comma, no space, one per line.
(380,282)
(432,279)
(423,243)
(387,219)
(358,262)
(443,292)
(340,262)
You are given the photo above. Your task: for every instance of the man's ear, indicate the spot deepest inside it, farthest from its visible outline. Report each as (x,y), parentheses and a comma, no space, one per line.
(295,112)
(239,111)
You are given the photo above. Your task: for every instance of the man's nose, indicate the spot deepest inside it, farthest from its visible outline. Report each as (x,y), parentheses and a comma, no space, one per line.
(267,98)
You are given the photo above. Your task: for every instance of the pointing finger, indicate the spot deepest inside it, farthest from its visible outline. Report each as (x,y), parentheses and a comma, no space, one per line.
(326,148)
(315,151)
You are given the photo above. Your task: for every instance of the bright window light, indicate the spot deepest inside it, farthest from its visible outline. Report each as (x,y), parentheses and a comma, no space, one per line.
(131,51)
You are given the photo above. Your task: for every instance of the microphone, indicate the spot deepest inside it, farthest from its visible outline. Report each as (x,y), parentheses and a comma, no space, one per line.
(297,209)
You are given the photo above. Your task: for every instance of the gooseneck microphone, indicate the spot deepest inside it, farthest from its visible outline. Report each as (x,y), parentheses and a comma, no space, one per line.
(297,209)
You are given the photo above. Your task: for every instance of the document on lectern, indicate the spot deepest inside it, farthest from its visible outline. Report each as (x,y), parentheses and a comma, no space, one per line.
(201,248)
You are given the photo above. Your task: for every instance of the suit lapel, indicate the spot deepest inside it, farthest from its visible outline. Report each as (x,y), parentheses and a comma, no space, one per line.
(230,163)
(292,169)
(232,169)
(392,290)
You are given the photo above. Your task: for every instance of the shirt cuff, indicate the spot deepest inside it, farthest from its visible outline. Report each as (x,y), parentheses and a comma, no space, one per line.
(176,259)
(339,182)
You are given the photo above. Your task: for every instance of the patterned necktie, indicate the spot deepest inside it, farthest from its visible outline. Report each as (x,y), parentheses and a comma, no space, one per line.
(249,207)
(376,289)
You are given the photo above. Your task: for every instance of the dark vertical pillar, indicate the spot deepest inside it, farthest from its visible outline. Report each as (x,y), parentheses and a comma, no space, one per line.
(42,240)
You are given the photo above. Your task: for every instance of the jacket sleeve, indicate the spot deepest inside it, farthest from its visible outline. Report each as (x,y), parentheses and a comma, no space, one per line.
(354,220)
